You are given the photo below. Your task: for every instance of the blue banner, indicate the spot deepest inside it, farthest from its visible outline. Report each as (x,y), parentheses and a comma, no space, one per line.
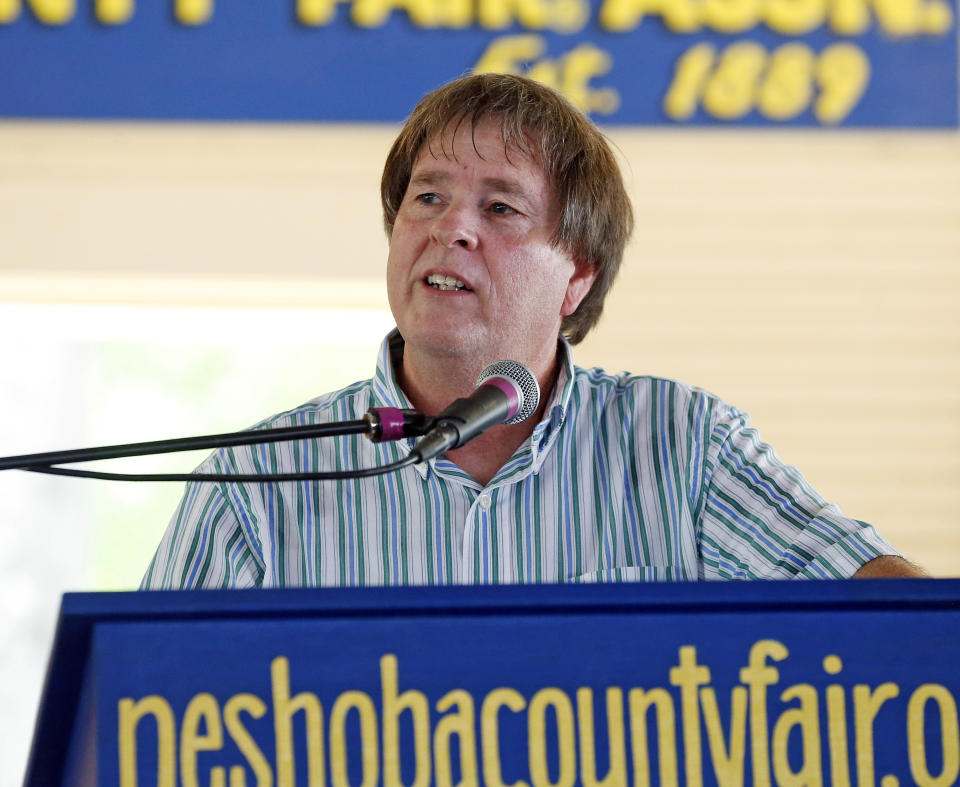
(857,63)
(555,688)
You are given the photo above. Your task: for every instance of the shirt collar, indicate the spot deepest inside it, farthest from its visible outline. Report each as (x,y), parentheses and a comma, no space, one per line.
(556,410)
(386,389)
(387,393)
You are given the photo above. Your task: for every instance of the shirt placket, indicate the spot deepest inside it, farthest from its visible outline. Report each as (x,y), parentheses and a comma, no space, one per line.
(475,545)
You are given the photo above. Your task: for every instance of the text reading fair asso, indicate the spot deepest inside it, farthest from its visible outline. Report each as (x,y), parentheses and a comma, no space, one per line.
(788,17)
(554,749)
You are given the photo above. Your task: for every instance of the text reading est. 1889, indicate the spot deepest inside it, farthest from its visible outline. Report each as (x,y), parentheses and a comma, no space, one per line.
(780,85)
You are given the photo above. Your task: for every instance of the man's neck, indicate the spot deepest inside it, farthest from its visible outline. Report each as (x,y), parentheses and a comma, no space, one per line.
(433,383)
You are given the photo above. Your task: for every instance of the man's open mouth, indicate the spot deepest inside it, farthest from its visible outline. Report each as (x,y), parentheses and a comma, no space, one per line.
(445,283)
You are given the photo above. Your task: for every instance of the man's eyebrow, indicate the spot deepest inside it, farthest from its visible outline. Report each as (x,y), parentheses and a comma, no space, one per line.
(429,178)
(437,178)
(506,186)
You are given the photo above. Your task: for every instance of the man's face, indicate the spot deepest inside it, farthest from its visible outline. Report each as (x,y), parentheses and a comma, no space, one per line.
(471,270)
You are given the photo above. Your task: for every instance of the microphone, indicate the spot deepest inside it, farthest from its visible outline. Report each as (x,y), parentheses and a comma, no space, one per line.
(507,393)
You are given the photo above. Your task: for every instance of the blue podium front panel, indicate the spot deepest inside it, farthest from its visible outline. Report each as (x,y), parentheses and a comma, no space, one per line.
(537,687)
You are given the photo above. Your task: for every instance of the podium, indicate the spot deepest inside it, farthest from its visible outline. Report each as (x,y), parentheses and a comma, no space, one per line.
(621,685)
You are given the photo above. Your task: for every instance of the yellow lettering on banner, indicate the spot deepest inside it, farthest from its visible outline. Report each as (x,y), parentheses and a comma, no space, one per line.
(728,762)
(393,705)
(577,68)
(193,12)
(315,13)
(130,714)
(498,14)
(949,736)
(730,91)
(913,17)
(790,17)
(807,720)
(689,675)
(284,708)
(537,738)
(453,13)
(842,72)
(640,702)
(461,725)
(490,733)
(109,12)
(898,17)
(937,18)
(252,704)
(690,75)
(561,16)
(849,17)
(793,17)
(731,16)
(201,709)
(422,13)
(570,73)
(779,85)
(837,726)
(680,16)
(757,676)
(49,12)
(457,13)
(866,705)
(616,737)
(370,762)
(113,12)
(787,88)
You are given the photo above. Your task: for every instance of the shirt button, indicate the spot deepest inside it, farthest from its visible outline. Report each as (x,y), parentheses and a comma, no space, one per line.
(484,501)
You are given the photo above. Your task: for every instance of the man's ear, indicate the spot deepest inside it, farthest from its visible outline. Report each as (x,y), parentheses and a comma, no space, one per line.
(579,285)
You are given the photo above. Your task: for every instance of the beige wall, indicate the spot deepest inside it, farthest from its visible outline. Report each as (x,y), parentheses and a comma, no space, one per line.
(812,278)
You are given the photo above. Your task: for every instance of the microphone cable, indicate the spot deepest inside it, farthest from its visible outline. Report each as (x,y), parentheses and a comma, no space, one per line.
(378,425)
(507,392)
(337,475)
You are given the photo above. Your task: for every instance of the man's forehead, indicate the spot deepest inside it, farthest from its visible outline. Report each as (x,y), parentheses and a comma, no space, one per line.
(488,138)
(509,165)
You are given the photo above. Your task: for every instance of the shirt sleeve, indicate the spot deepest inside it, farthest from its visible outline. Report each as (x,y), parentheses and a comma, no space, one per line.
(760,519)
(211,541)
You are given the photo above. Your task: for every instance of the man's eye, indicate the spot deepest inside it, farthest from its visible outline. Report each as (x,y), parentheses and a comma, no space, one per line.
(502,208)
(428,199)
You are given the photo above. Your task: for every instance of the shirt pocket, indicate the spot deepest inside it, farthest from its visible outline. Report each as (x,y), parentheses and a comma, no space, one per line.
(630,574)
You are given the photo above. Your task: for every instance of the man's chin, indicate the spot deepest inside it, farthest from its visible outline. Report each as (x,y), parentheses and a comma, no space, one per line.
(452,345)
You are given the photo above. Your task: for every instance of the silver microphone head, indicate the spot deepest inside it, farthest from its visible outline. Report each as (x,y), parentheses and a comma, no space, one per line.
(522,379)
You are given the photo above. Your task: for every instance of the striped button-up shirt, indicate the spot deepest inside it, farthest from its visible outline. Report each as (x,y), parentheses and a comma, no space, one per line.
(625,478)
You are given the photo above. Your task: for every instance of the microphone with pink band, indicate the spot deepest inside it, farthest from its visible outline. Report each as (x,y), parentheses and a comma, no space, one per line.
(507,393)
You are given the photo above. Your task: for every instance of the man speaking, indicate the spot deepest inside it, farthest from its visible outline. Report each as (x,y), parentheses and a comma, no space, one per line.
(507,219)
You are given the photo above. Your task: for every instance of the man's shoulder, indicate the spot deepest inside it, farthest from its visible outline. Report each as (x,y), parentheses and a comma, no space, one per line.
(643,387)
(662,402)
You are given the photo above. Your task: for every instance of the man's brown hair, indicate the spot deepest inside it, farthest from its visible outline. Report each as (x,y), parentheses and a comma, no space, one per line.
(594,217)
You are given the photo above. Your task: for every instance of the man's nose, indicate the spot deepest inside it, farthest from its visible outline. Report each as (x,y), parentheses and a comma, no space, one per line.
(454,228)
